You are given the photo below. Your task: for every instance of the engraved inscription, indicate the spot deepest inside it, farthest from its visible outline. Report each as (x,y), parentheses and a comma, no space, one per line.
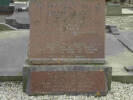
(77,48)
(58,81)
(67,29)
(72,19)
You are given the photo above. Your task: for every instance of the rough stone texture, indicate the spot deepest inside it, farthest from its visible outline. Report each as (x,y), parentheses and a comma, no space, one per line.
(89,80)
(66,31)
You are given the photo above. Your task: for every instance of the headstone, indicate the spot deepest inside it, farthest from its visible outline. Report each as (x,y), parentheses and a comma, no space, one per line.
(114,9)
(66,31)
(69,35)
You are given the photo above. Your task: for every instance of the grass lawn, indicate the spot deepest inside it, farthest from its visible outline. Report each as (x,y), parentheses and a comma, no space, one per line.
(4,28)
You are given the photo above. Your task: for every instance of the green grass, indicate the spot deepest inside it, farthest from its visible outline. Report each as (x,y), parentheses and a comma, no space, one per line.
(4,28)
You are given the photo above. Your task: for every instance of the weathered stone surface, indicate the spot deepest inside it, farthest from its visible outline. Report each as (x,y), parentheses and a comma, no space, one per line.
(66,31)
(89,80)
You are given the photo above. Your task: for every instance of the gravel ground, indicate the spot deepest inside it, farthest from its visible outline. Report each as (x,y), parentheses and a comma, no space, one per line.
(14,91)
(122,22)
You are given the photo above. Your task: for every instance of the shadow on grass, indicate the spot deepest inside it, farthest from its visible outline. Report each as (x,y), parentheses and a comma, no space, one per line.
(4,28)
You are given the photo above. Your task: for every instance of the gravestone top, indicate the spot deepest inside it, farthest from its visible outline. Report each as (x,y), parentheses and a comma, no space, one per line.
(66,31)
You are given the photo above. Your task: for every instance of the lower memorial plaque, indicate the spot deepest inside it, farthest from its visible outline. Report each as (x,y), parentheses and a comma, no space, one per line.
(67,80)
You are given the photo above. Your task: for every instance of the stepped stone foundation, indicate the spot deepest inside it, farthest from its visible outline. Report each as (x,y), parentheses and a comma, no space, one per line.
(66,37)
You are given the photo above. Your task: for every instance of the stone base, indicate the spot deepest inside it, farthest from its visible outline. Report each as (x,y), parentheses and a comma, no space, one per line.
(67,79)
(64,61)
(113,9)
